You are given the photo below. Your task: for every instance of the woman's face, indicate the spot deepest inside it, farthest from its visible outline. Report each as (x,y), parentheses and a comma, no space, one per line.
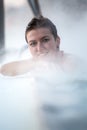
(42,42)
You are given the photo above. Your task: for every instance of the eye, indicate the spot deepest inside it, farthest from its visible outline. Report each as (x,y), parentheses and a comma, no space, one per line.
(45,40)
(32,44)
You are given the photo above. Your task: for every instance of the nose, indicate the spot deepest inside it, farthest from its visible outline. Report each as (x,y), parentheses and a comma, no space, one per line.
(39,47)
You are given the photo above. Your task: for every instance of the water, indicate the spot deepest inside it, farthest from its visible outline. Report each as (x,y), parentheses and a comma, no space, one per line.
(64,106)
(44,98)
(18,107)
(63,100)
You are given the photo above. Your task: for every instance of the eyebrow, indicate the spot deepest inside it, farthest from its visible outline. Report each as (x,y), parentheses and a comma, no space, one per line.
(45,37)
(40,39)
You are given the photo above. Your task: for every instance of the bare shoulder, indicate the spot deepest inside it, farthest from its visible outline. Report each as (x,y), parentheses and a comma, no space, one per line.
(16,67)
(70,62)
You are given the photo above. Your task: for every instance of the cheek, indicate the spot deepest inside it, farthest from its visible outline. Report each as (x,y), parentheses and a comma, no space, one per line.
(51,46)
(32,50)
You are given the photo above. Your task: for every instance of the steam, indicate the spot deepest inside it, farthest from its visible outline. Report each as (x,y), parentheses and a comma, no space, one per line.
(45,95)
(61,96)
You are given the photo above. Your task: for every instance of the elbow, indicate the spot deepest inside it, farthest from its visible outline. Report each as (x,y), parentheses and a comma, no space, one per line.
(6,71)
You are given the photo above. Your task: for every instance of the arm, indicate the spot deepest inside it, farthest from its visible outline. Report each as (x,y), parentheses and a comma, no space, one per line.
(16,68)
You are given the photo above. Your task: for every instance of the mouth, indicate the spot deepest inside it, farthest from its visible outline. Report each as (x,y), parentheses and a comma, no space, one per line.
(42,54)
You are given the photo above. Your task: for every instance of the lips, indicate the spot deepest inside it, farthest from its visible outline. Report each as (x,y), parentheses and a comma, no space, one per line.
(42,54)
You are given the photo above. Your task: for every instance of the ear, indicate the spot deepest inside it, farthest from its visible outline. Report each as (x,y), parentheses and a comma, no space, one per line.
(57,41)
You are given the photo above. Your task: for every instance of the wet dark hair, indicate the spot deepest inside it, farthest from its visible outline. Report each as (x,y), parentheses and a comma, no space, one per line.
(41,22)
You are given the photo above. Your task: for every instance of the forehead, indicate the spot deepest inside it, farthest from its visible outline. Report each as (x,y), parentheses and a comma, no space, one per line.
(40,32)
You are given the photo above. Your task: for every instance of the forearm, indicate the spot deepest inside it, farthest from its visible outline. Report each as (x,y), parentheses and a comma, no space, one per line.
(15,68)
